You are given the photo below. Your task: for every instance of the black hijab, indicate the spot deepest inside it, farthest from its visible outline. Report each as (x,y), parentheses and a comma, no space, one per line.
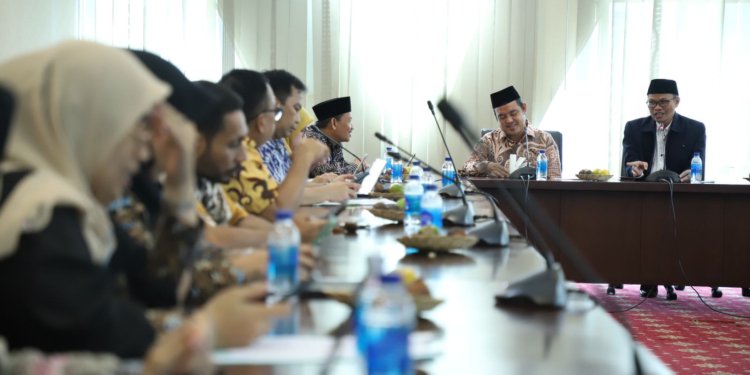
(6,114)
(189,99)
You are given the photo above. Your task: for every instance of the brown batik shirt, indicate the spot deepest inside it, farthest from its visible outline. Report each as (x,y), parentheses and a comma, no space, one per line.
(496,147)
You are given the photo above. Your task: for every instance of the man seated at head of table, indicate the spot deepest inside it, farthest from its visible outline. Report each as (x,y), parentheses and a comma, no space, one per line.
(334,126)
(664,139)
(515,136)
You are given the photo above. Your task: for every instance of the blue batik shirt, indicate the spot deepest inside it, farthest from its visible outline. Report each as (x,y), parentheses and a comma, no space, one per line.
(276,157)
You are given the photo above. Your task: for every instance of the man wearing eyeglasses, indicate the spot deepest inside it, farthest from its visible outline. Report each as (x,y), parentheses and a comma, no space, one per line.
(492,154)
(665,139)
(254,188)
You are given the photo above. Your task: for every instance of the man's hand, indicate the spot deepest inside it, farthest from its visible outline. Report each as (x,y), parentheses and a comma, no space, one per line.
(637,168)
(685,176)
(309,226)
(185,350)
(310,151)
(340,191)
(343,177)
(325,178)
(254,265)
(239,314)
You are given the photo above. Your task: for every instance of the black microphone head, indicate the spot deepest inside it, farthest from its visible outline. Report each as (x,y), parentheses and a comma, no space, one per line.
(395,154)
(429,105)
(451,115)
(381,137)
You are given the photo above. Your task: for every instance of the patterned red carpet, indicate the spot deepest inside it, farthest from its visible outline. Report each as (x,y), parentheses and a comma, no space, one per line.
(685,334)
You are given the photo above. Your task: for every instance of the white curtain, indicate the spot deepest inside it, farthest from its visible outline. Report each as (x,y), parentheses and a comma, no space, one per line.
(186,32)
(702,44)
(582,65)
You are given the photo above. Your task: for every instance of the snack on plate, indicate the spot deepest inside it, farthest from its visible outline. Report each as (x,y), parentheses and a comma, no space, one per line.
(428,238)
(595,175)
(393,212)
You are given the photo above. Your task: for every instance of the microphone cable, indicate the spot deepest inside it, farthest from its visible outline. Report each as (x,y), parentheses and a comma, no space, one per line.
(679,256)
(335,142)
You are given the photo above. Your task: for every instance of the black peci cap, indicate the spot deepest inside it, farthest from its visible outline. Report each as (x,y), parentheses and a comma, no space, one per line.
(333,107)
(662,86)
(504,96)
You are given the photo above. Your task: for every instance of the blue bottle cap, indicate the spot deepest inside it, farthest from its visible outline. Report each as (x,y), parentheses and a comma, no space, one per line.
(390,279)
(389,148)
(447,158)
(413,177)
(541,151)
(431,187)
(416,162)
(284,214)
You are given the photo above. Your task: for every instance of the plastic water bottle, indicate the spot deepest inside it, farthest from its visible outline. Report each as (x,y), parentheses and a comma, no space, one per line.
(388,159)
(388,317)
(427,179)
(696,169)
(449,174)
(541,166)
(413,192)
(432,208)
(397,172)
(369,289)
(283,254)
(416,170)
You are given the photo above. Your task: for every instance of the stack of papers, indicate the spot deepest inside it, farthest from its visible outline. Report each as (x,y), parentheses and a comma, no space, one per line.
(312,349)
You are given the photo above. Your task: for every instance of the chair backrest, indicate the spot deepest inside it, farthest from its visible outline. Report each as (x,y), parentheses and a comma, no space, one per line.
(557,136)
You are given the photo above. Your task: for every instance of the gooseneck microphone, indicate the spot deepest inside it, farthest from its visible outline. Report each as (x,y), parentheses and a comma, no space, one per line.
(315,126)
(546,288)
(442,136)
(494,232)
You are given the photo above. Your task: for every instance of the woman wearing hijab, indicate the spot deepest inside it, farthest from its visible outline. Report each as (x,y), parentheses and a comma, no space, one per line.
(6,111)
(85,115)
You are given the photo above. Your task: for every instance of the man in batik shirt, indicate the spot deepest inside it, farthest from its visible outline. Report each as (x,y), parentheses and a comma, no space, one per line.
(491,156)
(334,126)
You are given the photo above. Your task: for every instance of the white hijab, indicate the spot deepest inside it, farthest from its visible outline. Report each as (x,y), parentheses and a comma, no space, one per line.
(75,102)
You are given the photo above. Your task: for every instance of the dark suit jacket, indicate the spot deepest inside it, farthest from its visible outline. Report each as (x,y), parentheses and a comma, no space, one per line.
(685,137)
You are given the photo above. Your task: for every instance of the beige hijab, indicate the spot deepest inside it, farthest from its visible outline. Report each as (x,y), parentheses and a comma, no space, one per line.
(75,102)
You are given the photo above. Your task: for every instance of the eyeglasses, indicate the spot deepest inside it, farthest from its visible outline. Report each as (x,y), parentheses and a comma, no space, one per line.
(661,103)
(277,113)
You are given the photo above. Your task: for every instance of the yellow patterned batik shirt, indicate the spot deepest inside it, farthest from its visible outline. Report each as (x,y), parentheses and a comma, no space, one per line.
(254,189)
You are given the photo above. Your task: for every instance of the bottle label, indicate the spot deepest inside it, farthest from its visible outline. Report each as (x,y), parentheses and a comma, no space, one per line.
(542,167)
(397,171)
(432,216)
(282,267)
(448,176)
(413,203)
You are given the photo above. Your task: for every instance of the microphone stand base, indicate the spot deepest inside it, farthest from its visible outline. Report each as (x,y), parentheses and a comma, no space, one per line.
(545,289)
(491,232)
(451,190)
(460,215)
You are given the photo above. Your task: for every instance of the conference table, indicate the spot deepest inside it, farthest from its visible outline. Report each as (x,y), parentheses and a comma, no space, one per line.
(470,332)
(635,232)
